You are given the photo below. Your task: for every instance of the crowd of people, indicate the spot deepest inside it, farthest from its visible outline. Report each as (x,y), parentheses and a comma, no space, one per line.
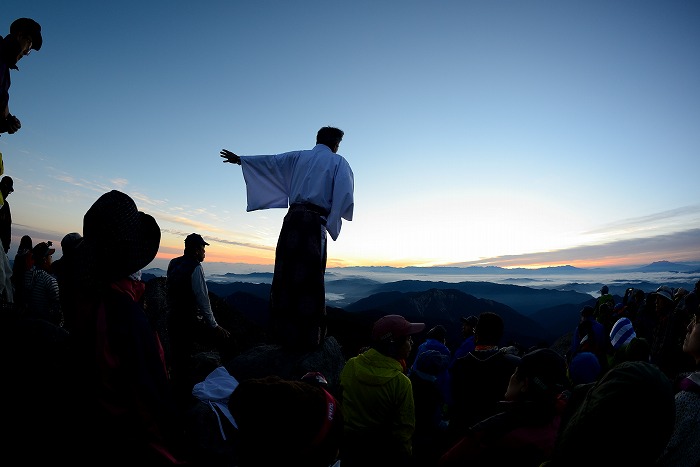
(89,380)
(634,381)
(623,394)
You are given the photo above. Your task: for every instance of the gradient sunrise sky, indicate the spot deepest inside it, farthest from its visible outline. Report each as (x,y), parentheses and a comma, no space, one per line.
(509,133)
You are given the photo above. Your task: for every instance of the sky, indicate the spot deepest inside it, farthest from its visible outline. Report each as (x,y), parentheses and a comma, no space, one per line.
(512,133)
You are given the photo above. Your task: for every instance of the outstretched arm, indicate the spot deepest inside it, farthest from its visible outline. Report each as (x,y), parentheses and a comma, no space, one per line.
(230,157)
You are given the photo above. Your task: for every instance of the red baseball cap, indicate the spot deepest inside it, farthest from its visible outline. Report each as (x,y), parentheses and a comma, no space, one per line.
(393,327)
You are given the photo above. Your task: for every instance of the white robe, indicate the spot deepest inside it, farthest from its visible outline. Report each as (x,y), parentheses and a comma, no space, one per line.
(317,176)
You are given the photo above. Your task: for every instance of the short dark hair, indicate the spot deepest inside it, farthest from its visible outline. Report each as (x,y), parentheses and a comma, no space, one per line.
(587,311)
(329,136)
(30,27)
(489,329)
(437,332)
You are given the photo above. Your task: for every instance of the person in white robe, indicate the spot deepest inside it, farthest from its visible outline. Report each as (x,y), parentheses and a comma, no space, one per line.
(317,185)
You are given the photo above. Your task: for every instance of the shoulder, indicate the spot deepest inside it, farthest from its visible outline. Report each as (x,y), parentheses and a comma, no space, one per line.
(45,275)
(343,163)
(182,261)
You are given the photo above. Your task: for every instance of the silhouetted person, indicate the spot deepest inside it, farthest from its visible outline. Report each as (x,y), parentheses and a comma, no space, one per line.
(467,345)
(590,336)
(22,263)
(6,286)
(668,334)
(683,449)
(65,269)
(284,422)
(41,287)
(190,317)
(480,378)
(6,187)
(318,187)
(130,416)
(626,418)
(431,417)
(377,398)
(24,36)
(524,429)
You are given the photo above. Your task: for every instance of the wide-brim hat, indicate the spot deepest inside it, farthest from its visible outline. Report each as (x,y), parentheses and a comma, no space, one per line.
(665,292)
(118,239)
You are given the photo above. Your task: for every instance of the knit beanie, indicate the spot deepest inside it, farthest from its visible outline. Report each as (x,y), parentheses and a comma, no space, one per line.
(584,368)
(622,333)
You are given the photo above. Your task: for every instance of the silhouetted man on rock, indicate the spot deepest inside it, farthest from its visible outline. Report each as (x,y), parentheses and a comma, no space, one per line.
(318,186)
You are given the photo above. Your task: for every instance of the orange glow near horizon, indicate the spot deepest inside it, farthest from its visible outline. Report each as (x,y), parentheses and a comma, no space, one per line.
(531,261)
(215,257)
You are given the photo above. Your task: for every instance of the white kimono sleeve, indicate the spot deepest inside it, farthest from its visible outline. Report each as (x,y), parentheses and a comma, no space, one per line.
(343,199)
(267,180)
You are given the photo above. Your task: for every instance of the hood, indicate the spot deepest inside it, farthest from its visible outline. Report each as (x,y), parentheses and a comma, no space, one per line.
(374,368)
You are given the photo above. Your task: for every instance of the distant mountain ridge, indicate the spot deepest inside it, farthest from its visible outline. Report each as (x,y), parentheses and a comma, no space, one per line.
(666,266)
(659,266)
(532,314)
(446,307)
(516,273)
(434,303)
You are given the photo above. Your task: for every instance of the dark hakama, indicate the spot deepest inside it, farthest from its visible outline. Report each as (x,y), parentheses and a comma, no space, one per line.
(298,297)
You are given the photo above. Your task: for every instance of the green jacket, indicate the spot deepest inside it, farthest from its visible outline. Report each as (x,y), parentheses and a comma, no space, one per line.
(377,399)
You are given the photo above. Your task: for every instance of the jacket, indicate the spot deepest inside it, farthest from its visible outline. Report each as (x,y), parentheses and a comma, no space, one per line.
(478,382)
(377,400)
(181,297)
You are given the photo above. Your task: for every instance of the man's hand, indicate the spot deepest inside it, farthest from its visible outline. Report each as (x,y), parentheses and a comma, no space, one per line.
(13,124)
(230,157)
(10,124)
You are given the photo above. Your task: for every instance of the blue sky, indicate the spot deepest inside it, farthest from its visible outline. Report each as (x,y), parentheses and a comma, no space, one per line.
(512,133)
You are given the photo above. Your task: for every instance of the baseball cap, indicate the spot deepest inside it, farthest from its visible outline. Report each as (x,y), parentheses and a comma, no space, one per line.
(393,327)
(195,239)
(43,249)
(71,241)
